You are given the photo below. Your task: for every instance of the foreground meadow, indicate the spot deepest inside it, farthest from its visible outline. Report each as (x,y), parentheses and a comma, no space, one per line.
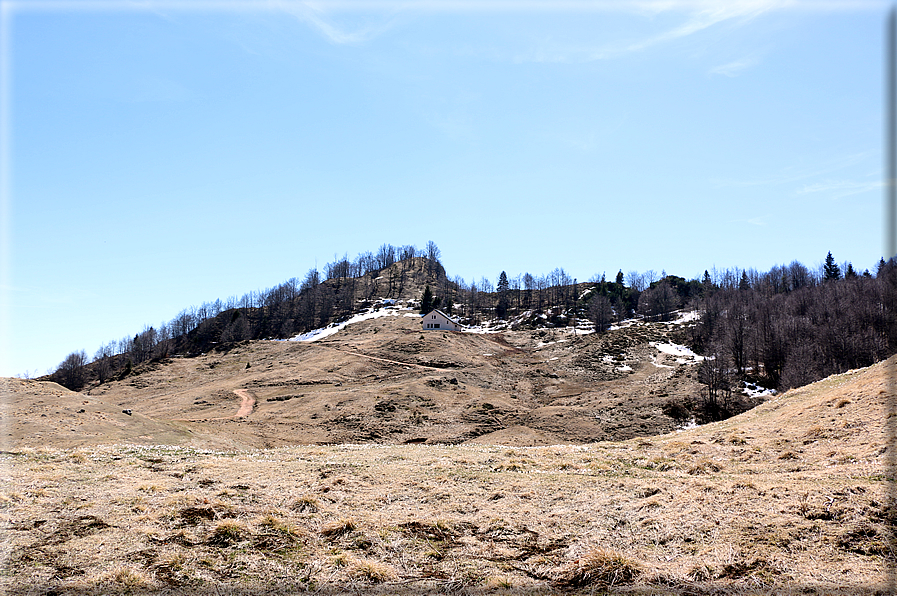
(791,497)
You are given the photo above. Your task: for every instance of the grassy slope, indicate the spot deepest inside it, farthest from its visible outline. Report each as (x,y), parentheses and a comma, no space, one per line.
(789,497)
(384,381)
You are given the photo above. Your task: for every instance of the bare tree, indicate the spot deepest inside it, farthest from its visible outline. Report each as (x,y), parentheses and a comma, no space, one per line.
(70,373)
(102,363)
(714,375)
(433,255)
(657,303)
(601,313)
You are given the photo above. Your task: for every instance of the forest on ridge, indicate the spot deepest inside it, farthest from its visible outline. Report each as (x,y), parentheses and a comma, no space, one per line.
(784,328)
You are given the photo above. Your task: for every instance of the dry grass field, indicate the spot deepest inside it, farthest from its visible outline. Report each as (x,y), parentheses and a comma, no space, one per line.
(791,497)
(383,381)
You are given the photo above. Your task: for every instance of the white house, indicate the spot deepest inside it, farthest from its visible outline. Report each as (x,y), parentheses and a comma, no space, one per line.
(436,319)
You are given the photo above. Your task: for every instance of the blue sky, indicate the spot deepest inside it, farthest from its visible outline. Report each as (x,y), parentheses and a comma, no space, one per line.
(162,154)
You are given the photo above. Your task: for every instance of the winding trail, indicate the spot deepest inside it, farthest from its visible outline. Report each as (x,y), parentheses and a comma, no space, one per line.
(247,402)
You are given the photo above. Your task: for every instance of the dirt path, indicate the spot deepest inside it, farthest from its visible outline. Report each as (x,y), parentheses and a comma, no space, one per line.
(247,402)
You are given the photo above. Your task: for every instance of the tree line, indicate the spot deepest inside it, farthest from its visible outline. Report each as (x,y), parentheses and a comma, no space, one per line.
(287,309)
(791,326)
(785,327)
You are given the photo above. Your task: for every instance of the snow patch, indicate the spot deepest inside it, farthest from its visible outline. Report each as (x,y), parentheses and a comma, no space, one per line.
(316,334)
(687,426)
(687,317)
(685,355)
(755,391)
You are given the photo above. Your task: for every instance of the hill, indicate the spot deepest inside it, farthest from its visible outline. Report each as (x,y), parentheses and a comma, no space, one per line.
(792,496)
(382,379)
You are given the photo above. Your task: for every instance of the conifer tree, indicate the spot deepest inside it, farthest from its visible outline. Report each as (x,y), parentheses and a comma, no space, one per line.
(830,271)
(501,309)
(426,301)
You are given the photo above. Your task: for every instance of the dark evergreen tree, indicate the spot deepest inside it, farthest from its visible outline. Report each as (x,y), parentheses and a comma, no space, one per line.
(501,308)
(619,280)
(744,284)
(426,301)
(830,271)
(850,272)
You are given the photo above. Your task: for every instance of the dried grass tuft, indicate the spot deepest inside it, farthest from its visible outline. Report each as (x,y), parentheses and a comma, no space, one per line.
(373,571)
(705,466)
(598,567)
(306,504)
(126,577)
(228,532)
(339,528)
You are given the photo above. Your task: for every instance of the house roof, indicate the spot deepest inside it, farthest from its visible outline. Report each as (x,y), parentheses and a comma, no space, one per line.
(436,310)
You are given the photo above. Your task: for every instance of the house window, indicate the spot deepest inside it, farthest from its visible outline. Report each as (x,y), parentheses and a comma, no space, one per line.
(435,325)
(433,317)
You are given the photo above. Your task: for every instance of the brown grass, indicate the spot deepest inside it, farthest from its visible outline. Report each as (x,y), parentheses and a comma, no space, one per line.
(598,567)
(409,519)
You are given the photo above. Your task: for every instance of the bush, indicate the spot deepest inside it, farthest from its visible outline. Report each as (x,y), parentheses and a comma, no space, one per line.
(676,410)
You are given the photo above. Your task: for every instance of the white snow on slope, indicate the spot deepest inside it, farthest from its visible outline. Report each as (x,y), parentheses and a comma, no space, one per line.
(681,352)
(755,391)
(687,317)
(316,334)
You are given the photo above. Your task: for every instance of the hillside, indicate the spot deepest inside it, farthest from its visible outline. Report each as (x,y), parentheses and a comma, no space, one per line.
(384,380)
(790,497)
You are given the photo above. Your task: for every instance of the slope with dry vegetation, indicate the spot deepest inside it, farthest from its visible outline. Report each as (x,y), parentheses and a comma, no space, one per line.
(383,380)
(790,497)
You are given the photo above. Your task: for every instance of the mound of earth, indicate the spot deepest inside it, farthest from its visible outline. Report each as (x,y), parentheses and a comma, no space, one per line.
(516,436)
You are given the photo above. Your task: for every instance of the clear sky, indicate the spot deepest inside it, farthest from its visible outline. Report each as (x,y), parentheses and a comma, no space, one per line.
(161,154)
